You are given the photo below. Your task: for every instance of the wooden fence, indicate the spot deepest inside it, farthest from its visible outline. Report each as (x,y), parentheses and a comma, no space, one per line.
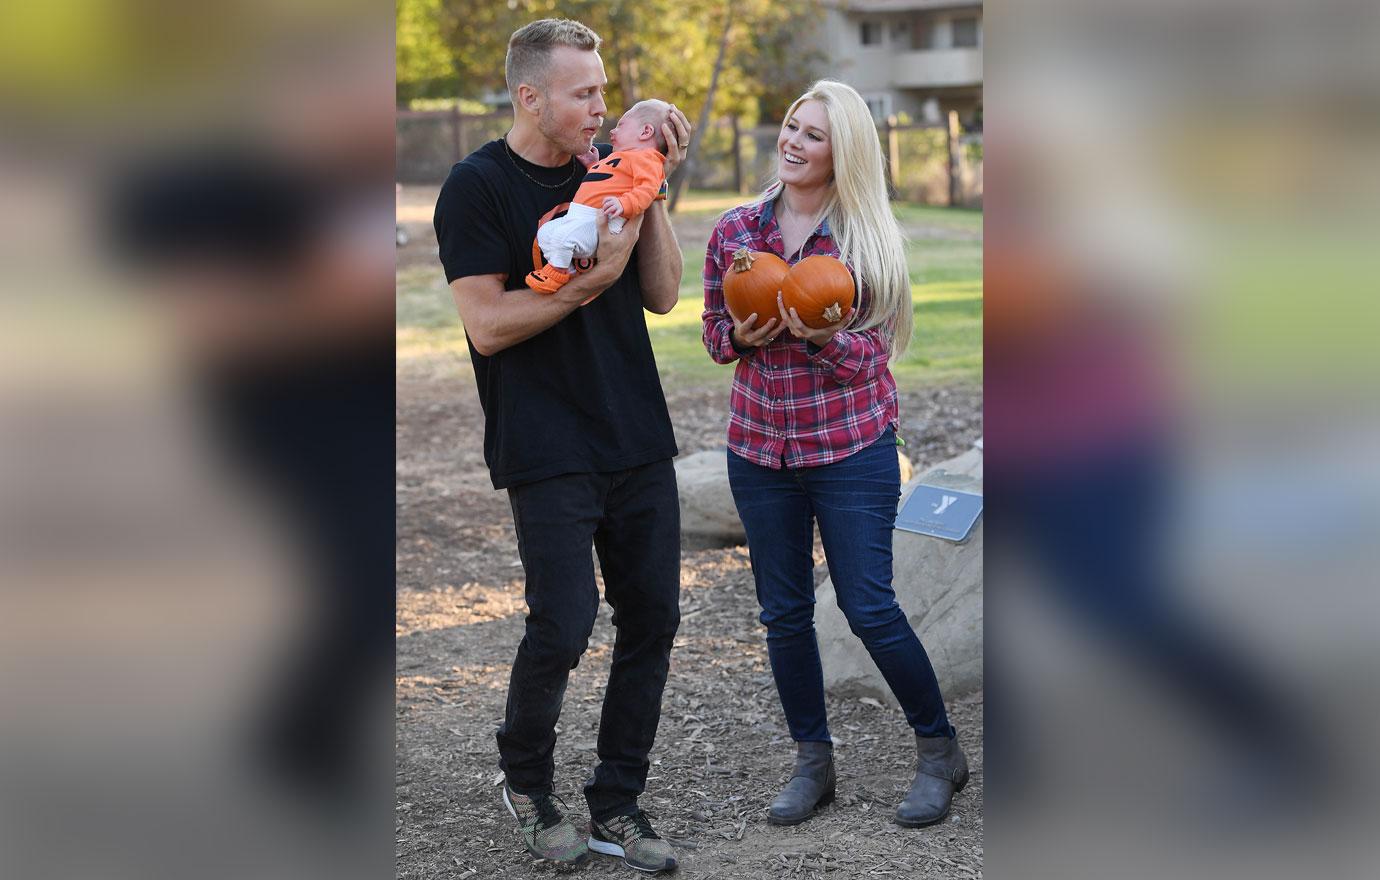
(931,164)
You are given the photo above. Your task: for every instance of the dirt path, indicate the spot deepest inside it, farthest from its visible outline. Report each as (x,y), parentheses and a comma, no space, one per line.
(722,748)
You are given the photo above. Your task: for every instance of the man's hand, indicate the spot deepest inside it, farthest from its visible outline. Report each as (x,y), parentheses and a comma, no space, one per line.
(677,132)
(746,333)
(590,157)
(612,207)
(612,254)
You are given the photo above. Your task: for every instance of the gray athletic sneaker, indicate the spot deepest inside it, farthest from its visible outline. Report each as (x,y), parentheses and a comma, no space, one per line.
(546,831)
(632,837)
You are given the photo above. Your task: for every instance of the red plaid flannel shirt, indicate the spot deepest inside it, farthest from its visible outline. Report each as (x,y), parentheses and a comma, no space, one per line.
(794,404)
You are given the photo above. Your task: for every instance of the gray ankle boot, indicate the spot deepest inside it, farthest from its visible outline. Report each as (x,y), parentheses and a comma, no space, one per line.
(811,786)
(941,772)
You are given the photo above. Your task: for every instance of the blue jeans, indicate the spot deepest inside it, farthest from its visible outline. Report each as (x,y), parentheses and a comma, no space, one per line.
(854,502)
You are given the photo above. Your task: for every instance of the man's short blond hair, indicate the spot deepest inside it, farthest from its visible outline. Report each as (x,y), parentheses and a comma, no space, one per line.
(530,46)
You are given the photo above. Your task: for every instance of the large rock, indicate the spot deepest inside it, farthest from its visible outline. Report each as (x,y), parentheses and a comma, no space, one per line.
(706,502)
(939,586)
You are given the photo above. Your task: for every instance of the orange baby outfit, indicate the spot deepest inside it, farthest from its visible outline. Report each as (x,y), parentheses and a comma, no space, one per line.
(633,176)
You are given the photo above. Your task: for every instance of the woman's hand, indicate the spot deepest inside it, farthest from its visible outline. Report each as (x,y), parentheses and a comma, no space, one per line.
(677,132)
(798,328)
(747,335)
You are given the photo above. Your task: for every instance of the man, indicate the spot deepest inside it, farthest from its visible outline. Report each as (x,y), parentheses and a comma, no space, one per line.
(576,429)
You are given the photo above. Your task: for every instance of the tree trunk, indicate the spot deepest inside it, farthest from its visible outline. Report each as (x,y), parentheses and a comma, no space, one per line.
(683,172)
(738,184)
(624,58)
(627,71)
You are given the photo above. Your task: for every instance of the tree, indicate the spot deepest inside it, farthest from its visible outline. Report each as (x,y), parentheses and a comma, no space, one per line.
(782,57)
(678,179)
(667,49)
(424,61)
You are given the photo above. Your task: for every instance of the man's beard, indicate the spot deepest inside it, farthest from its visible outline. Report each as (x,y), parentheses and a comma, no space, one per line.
(575,145)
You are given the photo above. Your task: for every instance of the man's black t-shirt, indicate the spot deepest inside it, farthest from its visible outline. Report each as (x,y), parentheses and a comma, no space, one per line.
(582,396)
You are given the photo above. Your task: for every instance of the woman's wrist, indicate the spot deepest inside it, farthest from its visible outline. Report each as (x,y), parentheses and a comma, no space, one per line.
(743,348)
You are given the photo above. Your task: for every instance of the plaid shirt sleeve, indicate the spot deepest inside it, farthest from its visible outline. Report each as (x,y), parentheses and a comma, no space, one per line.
(852,357)
(718,324)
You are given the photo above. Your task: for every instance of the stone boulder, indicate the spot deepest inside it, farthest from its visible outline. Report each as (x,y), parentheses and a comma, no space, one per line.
(707,511)
(706,502)
(939,586)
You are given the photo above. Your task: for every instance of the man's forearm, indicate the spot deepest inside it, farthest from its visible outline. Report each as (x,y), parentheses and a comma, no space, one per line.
(515,316)
(659,261)
(518,315)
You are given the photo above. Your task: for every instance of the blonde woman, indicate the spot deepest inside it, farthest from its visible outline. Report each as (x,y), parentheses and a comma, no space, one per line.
(812,439)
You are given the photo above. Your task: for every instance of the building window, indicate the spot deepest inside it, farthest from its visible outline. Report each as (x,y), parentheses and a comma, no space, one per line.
(965,33)
(922,35)
(870,32)
(880,106)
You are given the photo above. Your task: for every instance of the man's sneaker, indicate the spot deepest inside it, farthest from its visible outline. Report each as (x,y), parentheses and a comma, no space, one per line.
(546,831)
(631,836)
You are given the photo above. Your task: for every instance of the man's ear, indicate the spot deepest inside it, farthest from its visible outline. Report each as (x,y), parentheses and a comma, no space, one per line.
(529,98)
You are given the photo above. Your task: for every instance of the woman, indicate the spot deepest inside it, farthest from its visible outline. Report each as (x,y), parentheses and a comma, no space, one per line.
(812,438)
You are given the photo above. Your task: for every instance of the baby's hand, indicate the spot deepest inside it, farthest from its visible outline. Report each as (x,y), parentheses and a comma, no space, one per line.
(590,157)
(612,207)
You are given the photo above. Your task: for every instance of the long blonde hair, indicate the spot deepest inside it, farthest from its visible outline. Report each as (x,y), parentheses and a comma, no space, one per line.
(859,213)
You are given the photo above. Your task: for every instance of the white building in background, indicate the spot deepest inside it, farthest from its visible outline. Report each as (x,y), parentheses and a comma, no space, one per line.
(918,57)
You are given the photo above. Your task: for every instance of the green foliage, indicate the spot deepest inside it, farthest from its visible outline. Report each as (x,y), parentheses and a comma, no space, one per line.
(464,105)
(651,48)
(780,57)
(424,61)
(449,48)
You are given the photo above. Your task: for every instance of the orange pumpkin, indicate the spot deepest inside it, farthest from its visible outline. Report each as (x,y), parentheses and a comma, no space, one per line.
(751,285)
(820,289)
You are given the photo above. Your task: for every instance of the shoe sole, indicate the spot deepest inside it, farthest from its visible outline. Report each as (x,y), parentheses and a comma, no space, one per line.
(578,860)
(925,824)
(825,800)
(936,820)
(608,848)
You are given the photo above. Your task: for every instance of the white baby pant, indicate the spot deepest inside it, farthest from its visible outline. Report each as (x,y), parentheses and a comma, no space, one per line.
(574,235)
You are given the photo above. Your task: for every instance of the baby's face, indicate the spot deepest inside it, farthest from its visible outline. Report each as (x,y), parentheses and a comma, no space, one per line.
(625,135)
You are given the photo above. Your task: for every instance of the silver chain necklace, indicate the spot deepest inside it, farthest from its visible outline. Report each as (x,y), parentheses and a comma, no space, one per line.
(512,157)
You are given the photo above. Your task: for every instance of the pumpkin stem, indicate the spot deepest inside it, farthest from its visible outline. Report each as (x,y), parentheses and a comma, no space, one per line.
(742,260)
(833,314)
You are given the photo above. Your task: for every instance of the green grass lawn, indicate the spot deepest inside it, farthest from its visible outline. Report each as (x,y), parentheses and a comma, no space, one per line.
(946,289)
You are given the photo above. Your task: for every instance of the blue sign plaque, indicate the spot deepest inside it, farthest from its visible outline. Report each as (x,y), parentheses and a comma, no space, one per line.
(939,512)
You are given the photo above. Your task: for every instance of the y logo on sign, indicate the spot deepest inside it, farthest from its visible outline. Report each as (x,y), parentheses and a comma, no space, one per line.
(944,504)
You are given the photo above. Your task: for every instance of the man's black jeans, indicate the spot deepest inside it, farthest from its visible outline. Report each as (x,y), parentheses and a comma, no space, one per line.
(632,518)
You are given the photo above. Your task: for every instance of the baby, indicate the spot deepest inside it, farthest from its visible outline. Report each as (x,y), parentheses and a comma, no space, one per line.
(619,186)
